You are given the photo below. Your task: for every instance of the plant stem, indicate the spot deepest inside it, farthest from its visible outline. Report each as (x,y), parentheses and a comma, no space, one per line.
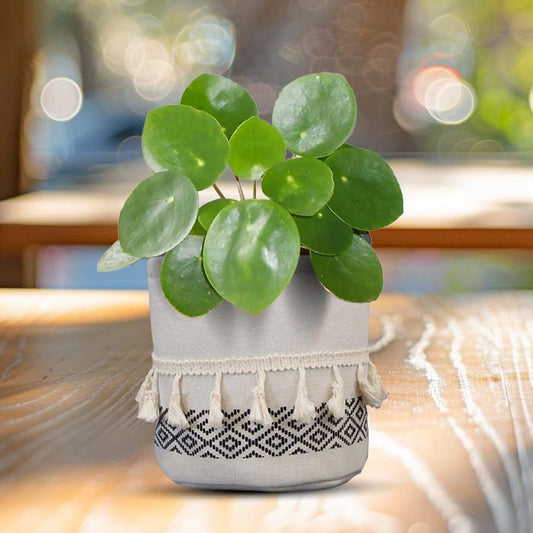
(239,186)
(219,192)
(255,189)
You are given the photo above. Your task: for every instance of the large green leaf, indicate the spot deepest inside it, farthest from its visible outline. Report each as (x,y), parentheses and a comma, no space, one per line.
(303,186)
(255,146)
(367,195)
(222,98)
(181,138)
(114,258)
(209,211)
(250,254)
(158,214)
(324,232)
(354,275)
(183,279)
(315,114)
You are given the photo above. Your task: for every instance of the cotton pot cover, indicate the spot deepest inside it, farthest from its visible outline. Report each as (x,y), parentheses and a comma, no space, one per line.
(270,402)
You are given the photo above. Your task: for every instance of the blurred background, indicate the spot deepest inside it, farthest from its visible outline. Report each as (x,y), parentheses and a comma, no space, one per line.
(444,91)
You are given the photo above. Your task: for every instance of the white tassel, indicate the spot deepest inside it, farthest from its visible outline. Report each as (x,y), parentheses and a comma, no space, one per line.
(259,411)
(336,402)
(175,415)
(304,410)
(215,411)
(369,384)
(148,398)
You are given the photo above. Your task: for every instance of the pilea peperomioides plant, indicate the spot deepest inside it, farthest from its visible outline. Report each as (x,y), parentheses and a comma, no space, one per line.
(323,198)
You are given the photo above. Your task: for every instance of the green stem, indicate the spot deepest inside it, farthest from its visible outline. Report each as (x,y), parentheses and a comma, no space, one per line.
(219,192)
(239,186)
(255,189)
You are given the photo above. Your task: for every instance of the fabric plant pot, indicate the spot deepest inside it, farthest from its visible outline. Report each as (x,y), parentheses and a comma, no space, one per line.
(272,402)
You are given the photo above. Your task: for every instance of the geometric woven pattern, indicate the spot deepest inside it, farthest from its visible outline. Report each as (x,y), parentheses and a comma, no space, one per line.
(240,438)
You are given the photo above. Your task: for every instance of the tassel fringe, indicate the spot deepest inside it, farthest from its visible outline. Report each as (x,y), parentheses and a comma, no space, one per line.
(259,411)
(304,410)
(175,415)
(336,402)
(148,398)
(369,384)
(215,405)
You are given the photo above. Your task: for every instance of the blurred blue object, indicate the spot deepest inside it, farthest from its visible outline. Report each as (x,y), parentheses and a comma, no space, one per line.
(74,267)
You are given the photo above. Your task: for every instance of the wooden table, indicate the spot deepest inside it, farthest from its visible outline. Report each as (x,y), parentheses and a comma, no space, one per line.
(446,206)
(452,446)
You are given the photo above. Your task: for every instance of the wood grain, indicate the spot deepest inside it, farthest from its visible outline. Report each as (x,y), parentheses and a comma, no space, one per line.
(451,449)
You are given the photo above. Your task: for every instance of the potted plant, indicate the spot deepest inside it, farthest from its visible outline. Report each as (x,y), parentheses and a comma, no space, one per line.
(259,306)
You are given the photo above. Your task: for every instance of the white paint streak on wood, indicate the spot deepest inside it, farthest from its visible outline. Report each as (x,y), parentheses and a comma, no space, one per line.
(527,464)
(492,346)
(417,357)
(388,335)
(319,514)
(425,480)
(515,351)
(479,418)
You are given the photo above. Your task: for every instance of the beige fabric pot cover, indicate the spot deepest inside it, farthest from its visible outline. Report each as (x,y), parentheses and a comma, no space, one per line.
(269,402)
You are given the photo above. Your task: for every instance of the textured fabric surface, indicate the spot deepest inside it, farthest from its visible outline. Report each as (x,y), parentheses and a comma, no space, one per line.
(240,438)
(305,318)
(289,472)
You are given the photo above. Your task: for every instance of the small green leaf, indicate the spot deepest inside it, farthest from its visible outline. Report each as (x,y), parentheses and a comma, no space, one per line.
(114,258)
(354,275)
(255,147)
(191,142)
(324,233)
(183,280)
(303,186)
(222,98)
(158,214)
(197,228)
(367,195)
(250,254)
(315,114)
(209,211)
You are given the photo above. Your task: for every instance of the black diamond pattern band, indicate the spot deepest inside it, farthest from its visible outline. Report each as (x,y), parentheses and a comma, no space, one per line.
(242,439)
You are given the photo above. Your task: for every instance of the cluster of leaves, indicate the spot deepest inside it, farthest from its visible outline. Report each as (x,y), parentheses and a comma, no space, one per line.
(322,198)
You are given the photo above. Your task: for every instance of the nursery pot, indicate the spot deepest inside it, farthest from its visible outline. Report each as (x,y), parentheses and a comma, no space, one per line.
(271,402)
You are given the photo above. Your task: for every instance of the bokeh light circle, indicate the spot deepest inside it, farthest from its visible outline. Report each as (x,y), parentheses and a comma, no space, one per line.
(450,102)
(61,99)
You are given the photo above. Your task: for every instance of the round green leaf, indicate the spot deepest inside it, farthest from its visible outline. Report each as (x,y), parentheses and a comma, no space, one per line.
(367,195)
(250,254)
(114,258)
(324,233)
(354,275)
(303,186)
(222,98)
(181,138)
(158,214)
(255,147)
(183,280)
(209,211)
(315,114)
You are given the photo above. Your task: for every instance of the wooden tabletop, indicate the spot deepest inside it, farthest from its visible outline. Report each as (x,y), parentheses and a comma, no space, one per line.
(446,206)
(450,449)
